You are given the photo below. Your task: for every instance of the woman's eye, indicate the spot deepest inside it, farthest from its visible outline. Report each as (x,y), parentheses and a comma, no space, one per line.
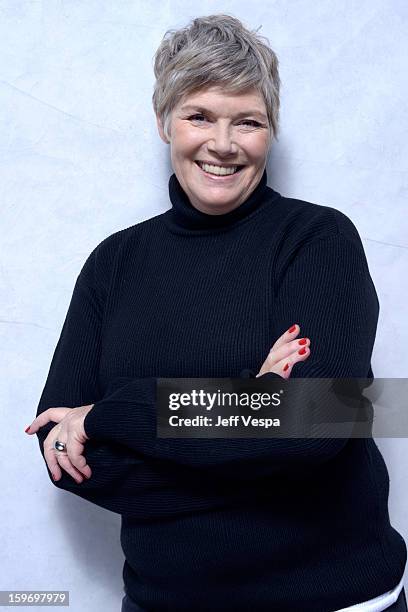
(196,117)
(251,122)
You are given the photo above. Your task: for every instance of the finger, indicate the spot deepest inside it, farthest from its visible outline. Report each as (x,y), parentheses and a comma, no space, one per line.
(65,463)
(289,356)
(58,459)
(52,414)
(287,336)
(51,461)
(285,366)
(75,451)
(286,350)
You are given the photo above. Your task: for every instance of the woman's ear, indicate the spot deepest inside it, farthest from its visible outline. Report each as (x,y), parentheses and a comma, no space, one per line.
(161,130)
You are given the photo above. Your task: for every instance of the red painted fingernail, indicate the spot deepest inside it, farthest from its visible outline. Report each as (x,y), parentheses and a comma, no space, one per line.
(286,367)
(292,329)
(303,341)
(302,351)
(27,429)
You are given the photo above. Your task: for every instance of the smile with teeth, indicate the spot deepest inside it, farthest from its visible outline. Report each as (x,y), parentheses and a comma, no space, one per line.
(218,170)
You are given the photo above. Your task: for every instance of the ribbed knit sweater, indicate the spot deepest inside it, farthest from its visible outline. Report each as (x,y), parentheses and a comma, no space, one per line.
(277,525)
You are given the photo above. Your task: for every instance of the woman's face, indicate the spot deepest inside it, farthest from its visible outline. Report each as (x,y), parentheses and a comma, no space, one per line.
(225,130)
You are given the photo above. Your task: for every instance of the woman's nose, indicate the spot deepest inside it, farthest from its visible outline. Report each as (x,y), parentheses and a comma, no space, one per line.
(221,141)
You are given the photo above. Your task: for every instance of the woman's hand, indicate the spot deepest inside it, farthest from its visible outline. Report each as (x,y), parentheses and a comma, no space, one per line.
(285,353)
(70,430)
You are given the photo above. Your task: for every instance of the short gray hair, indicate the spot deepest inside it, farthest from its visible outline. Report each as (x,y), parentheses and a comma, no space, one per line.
(216,50)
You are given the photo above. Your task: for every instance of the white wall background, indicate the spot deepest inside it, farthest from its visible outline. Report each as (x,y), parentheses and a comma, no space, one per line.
(81,158)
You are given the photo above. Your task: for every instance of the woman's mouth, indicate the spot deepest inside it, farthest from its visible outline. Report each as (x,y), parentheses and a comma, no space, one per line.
(218,172)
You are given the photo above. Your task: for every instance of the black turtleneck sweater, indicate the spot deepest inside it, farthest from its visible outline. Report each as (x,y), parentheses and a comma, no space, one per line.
(227,524)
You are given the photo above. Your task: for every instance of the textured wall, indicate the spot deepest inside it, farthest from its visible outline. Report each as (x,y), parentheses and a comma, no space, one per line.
(81,158)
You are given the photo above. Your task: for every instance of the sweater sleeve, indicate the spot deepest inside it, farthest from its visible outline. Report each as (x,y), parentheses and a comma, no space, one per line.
(327,289)
(122,480)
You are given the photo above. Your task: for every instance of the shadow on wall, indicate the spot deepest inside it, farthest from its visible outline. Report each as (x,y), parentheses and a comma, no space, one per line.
(94,536)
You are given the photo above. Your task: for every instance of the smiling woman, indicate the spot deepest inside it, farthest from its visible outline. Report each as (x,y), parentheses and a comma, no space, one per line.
(219,153)
(220,285)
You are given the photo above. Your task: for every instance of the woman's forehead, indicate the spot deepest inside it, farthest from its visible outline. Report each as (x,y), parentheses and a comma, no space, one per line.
(249,100)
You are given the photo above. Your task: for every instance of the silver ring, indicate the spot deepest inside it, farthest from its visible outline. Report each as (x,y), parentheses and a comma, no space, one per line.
(59,446)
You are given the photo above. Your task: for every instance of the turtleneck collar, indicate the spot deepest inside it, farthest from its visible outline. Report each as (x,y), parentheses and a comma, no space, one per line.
(184,217)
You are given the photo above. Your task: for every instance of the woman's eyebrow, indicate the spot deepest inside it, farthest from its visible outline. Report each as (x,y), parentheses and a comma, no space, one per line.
(201,109)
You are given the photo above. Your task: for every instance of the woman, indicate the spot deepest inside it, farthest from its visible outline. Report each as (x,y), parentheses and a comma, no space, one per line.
(205,289)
